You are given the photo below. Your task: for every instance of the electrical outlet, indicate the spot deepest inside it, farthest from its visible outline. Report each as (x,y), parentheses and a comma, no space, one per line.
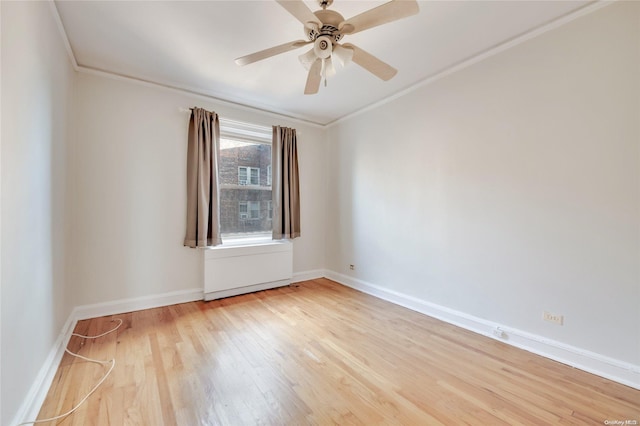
(498,332)
(556,319)
(352,267)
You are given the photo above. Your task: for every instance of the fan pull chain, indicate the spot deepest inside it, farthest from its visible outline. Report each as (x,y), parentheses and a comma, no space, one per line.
(323,72)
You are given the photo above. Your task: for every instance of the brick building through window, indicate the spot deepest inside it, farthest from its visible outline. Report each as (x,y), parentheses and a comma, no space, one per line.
(245,188)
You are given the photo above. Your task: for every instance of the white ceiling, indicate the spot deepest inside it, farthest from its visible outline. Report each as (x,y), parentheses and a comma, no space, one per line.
(192,45)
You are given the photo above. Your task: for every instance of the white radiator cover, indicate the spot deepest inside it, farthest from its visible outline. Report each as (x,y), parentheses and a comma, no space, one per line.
(229,271)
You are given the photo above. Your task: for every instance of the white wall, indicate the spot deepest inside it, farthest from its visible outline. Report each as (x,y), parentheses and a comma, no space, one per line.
(129,190)
(0,220)
(507,188)
(37,83)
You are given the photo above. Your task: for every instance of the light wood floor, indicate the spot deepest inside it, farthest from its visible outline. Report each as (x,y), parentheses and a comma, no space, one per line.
(318,354)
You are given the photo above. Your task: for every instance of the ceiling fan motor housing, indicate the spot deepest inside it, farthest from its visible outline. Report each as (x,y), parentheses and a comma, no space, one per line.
(330,22)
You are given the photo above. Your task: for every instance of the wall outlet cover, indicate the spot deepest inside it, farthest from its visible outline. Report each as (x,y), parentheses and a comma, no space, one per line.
(554,318)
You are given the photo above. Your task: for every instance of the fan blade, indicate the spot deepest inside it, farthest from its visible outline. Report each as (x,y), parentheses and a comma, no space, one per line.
(372,64)
(383,14)
(314,78)
(272,51)
(301,12)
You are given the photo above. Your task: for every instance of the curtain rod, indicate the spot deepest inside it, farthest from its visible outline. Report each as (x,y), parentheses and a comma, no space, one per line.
(183,109)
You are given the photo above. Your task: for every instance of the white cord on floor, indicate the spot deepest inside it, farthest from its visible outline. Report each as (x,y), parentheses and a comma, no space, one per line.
(97,361)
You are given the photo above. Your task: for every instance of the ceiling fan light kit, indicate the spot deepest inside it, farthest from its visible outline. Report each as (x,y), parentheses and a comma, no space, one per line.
(342,54)
(307,59)
(325,28)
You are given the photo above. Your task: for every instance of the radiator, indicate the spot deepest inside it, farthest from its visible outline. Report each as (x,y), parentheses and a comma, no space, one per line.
(229,271)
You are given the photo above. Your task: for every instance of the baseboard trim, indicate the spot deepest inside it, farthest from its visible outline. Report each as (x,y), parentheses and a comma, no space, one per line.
(136,304)
(618,371)
(32,403)
(38,391)
(600,365)
(313,274)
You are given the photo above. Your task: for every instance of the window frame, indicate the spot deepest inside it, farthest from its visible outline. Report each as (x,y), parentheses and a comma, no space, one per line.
(250,133)
(248,172)
(249,210)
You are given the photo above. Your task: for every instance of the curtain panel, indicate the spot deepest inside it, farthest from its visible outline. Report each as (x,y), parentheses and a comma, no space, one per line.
(203,192)
(285,184)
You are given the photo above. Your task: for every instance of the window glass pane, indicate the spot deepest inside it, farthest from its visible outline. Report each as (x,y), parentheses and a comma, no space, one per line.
(255,176)
(245,188)
(242,175)
(254,209)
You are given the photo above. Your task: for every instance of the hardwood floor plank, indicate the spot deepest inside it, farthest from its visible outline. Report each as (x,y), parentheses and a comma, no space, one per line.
(318,353)
(158,366)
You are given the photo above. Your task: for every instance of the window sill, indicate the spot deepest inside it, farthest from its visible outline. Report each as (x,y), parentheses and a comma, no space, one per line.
(248,241)
(247,248)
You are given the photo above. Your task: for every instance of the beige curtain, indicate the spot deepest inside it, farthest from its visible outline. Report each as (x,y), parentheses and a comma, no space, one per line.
(203,193)
(285,185)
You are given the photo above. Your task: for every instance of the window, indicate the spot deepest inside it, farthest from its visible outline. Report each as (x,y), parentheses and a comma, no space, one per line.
(250,176)
(249,209)
(243,209)
(245,184)
(269,210)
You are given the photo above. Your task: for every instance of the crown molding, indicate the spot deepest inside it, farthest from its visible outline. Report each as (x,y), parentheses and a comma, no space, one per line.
(194,93)
(492,51)
(465,63)
(63,34)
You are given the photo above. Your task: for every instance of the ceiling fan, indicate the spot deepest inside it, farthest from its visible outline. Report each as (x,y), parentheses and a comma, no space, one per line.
(324,28)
